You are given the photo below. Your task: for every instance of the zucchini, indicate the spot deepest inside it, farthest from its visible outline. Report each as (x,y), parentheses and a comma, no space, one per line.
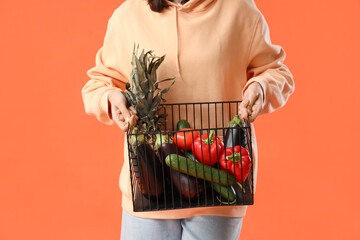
(182,124)
(226,192)
(188,187)
(199,170)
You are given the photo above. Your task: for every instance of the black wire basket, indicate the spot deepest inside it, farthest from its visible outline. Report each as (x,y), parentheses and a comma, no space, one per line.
(193,167)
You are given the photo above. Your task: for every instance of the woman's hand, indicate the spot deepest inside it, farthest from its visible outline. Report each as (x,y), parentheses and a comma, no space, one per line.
(252,104)
(124,117)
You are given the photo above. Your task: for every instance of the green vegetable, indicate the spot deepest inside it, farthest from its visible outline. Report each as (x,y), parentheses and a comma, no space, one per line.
(188,154)
(199,170)
(161,139)
(182,124)
(226,192)
(136,139)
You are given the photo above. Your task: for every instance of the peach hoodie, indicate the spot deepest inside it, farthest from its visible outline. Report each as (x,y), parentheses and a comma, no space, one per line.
(215,49)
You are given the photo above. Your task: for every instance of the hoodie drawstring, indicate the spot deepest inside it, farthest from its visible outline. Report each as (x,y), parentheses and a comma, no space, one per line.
(177,42)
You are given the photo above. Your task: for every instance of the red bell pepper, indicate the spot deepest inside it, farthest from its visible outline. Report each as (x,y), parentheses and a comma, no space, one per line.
(233,161)
(185,137)
(207,148)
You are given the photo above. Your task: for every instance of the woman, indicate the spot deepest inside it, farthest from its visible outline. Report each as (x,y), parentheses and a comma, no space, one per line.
(218,51)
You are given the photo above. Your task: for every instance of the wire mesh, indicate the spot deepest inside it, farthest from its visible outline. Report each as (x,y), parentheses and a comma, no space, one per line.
(162,174)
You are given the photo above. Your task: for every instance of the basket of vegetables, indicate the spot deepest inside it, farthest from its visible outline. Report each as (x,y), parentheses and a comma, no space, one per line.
(184,155)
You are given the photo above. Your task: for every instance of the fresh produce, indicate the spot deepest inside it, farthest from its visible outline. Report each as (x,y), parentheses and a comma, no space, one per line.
(235,135)
(185,137)
(236,161)
(184,184)
(187,186)
(144,94)
(164,148)
(207,148)
(199,170)
(188,154)
(161,139)
(227,193)
(136,139)
(182,124)
(150,181)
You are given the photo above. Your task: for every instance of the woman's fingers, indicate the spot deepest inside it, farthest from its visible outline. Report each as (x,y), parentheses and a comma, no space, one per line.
(252,98)
(246,106)
(251,106)
(243,109)
(132,110)
(124,111)
(124,117)
(124,123)
(133,120)
(256,110)
(133,117)
(119,118)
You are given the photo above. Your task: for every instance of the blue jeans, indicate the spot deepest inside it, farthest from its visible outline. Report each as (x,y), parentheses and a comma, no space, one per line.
(193,228)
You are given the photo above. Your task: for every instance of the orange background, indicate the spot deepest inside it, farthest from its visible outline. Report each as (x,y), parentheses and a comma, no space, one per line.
(59,167)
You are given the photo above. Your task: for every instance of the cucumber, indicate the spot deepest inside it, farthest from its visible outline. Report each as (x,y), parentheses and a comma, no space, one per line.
(226,192)
(182,124)
(198,170)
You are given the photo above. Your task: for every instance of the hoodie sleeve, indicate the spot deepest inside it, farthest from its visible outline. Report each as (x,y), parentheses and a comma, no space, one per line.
(265,66)
(105,77)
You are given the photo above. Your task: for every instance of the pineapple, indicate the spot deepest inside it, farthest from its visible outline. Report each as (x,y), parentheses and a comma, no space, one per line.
(144,94)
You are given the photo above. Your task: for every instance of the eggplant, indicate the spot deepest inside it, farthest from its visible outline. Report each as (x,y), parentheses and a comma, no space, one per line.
(236,134)
(187,186)
(164,150)
(150,181)
(243,192)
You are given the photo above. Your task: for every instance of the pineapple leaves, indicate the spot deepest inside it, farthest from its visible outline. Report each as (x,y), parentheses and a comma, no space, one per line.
(165,80)
(167,89)
(141,84)
(141,60)
(143,90)
(155,66)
